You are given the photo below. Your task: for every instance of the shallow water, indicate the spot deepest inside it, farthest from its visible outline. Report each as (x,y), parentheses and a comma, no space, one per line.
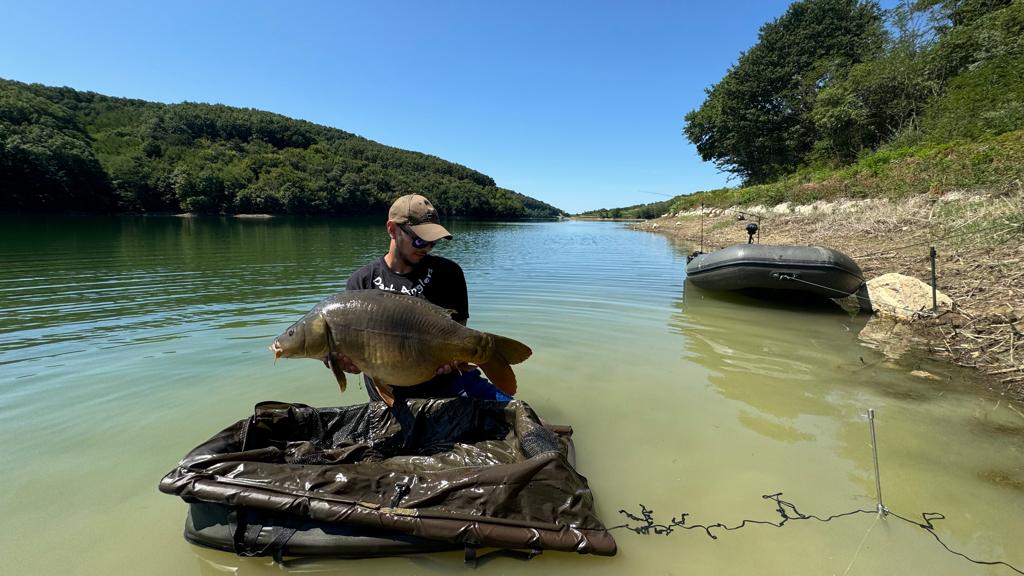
(124,342)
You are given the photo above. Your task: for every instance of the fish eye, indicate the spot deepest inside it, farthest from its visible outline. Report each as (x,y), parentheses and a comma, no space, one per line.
(291,331)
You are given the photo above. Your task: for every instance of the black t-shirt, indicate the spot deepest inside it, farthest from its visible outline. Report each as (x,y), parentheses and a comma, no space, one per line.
(438,280)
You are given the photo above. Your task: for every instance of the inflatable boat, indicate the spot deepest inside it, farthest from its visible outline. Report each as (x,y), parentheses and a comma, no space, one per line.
(365,480)
(763,267)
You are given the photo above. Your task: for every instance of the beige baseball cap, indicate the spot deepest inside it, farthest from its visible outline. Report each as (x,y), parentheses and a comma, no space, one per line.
(420,216)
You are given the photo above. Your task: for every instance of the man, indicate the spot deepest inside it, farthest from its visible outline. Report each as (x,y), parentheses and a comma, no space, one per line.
(410,268)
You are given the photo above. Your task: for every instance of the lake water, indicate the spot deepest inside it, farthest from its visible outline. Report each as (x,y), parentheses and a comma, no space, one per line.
(124,342)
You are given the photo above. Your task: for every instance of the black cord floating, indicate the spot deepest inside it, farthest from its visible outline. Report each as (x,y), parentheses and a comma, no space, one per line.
(646,524)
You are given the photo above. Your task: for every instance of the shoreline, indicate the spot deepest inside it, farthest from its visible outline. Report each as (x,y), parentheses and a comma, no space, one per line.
(978,238)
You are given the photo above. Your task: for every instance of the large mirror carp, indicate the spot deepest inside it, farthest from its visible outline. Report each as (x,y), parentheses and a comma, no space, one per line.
(397,340)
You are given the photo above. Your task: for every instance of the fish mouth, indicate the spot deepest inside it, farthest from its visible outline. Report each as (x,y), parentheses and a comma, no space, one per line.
(277,350)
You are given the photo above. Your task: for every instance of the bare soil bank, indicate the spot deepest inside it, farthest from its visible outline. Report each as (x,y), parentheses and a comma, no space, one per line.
(979,239)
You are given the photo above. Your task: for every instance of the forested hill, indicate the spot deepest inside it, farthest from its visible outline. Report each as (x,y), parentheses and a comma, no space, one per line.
(842,98)
(62,150)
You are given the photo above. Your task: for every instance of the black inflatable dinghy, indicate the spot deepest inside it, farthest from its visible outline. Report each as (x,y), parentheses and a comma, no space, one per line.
(755,267)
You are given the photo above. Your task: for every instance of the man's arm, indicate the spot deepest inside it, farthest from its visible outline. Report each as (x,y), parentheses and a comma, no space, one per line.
(458,300)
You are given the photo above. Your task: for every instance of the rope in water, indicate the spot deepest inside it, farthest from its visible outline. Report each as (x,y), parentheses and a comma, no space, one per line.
(787,511)
(842,294)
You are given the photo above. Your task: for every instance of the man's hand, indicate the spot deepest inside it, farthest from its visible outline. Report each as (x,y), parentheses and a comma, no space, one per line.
(459,367)
(345,363)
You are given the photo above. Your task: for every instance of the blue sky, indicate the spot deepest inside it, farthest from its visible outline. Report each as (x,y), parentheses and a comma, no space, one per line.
(579,104)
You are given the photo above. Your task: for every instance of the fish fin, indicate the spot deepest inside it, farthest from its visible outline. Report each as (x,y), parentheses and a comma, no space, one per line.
(500,374)
(387,394)
(339,374)
(332,358)
(513,351)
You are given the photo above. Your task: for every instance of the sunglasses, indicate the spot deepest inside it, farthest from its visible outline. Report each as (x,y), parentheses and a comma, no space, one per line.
(417,242)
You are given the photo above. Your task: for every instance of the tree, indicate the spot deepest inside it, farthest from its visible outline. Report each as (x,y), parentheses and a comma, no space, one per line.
(65,150)
(46,160)
(756,122)
(877,100)
(948,14)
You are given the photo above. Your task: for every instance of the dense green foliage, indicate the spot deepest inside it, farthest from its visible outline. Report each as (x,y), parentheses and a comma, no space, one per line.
(757,121)
(46,159)
(637,211)
(827,83)
(65,150)
(939,106)
(991,163)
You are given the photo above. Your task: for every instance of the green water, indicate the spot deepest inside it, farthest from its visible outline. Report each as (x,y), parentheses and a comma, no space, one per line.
(124,342)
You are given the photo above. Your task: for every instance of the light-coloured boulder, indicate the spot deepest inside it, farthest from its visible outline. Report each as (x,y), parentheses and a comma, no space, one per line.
(892,338)
(902,297)
(851,205)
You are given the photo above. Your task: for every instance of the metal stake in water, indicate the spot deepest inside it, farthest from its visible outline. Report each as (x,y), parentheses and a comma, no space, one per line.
(882,510)
(935,302)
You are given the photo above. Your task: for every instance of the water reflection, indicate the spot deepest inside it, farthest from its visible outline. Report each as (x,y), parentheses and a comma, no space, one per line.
(732,333)
(124,342)
(806,381)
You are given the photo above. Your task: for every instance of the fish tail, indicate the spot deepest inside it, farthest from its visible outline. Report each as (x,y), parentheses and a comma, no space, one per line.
(512,351)
(500,374)
(498,369)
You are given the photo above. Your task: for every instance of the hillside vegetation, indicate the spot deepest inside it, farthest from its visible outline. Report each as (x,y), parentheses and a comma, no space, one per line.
(63,150)
(841,99)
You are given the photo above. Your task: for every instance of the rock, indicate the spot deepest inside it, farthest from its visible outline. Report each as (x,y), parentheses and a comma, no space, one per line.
(819,207)
(902,297)
(924,374)
(891,338)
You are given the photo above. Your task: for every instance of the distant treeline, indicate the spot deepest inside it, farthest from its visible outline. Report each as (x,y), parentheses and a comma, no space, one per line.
(62,150)
(645,211)
(834,83)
